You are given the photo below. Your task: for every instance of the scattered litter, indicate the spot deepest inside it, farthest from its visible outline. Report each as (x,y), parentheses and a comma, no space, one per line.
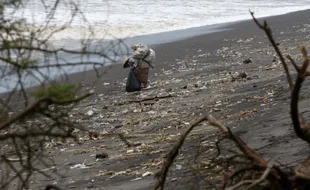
(136,179)
(178,167)
(92,135)
(101,155)
(118,173)
(130,151)
(174,179)
(90,112)
(247,60)
(147,174)
(79,166)
(270,67)
(70,181)
(152,112)
(239,75)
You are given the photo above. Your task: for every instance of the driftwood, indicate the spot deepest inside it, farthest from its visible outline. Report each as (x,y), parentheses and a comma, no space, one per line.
(156,98)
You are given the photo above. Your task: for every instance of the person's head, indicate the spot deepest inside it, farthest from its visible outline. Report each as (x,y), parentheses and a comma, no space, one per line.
(136,46)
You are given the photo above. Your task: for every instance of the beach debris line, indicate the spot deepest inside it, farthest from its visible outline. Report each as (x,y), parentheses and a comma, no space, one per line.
(249,169)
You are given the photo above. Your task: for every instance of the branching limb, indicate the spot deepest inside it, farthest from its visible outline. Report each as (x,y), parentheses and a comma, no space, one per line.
(252,183)
(265,27)
(34,135)
(250,153)
(161,175)
(262,178)
(293,62)
(301,127)
(55,51)
(42,103)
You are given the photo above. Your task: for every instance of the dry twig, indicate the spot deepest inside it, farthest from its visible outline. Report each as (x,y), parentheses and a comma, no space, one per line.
(39,105)
(151,98)
(161,175)
(265,27)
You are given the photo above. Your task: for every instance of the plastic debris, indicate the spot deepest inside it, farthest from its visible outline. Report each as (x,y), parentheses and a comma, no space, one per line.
(136,179)
(178,167)
(130,151)
(90,112)
(147,174)
(174,179)
(79,166)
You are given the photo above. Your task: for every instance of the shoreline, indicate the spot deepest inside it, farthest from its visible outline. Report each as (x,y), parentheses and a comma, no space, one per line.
(183,34)
(189,32)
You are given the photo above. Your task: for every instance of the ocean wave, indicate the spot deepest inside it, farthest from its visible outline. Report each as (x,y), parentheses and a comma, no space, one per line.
(123,19)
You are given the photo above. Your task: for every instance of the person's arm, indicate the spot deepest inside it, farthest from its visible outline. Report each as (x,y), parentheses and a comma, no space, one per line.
(133,62)
(126,63)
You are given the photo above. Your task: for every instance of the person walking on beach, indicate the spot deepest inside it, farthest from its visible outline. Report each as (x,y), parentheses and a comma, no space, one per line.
(140,61)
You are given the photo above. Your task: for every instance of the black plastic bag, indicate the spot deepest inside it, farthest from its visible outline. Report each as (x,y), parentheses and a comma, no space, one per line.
(133,84)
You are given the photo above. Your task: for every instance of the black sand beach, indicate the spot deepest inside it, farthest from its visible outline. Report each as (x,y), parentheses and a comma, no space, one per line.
(208,41)
(195,72)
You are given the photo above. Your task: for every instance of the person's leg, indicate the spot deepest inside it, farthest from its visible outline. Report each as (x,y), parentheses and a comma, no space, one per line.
(142,74)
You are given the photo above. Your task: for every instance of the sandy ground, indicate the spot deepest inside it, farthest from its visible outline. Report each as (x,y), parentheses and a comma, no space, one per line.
(197,74)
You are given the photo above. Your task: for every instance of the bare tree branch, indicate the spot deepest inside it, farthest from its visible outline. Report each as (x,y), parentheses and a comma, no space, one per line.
(39,104)
(265,27)
(161,175)
(301,127)
(151,98)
